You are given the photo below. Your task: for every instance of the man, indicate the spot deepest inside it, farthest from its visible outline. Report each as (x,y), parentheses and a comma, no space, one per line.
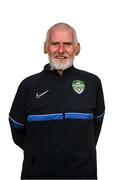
(57,114)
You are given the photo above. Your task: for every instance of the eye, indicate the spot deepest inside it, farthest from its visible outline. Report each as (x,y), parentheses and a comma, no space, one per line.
(68,43)
(54,43)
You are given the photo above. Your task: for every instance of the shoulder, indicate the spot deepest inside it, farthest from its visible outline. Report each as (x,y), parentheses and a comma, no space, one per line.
(29,81)
(88,77)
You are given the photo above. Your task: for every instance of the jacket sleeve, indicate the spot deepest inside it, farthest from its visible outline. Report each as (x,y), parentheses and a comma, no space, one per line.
(99,111)
(17,116)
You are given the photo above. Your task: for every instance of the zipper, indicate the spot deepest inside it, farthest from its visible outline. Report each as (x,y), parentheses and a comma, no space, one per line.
(61,76)
(63,116)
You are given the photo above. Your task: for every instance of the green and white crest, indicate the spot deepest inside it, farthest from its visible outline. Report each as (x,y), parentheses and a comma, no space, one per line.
(78,86)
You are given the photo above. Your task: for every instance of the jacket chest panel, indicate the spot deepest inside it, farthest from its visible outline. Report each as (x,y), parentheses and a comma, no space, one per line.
(60,96)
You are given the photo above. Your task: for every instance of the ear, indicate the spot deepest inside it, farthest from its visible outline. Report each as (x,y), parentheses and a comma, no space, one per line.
(45,48)
(77,49)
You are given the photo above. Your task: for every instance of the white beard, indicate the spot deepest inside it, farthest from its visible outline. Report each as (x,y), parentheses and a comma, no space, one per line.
(59,65)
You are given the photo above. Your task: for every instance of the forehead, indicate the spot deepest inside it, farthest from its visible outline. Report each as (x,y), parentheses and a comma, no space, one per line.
(61,34)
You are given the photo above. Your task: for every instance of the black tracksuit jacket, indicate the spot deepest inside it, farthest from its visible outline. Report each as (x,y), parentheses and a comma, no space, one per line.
(56,120)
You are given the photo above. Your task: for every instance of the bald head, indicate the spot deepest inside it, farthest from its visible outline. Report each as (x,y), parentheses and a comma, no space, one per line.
(61,26)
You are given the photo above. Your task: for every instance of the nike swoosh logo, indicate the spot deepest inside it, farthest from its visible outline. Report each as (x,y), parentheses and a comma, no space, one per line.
(40,95)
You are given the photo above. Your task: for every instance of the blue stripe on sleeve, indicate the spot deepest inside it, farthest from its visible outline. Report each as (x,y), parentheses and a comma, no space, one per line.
(100,117)
(15,124)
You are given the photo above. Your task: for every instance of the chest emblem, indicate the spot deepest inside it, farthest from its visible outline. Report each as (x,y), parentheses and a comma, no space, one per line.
(78,86)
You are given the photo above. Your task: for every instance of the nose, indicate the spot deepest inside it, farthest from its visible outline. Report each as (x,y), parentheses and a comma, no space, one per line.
(61,48)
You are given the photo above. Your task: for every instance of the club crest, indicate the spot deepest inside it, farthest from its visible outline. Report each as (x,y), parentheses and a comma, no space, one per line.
(78,86)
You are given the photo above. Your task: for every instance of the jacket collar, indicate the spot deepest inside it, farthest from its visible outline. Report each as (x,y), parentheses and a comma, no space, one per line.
(48,69)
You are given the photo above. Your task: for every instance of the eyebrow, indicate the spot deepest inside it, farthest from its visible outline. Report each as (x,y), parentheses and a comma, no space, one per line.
(58,42)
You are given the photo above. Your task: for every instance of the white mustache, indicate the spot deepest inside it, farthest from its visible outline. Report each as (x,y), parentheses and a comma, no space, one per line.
(60,56)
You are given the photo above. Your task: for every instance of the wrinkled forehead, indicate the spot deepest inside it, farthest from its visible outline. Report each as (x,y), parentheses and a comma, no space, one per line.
(61,34)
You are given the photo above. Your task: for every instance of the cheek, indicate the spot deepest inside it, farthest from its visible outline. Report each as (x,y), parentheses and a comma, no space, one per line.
(51,51)
(71,53)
